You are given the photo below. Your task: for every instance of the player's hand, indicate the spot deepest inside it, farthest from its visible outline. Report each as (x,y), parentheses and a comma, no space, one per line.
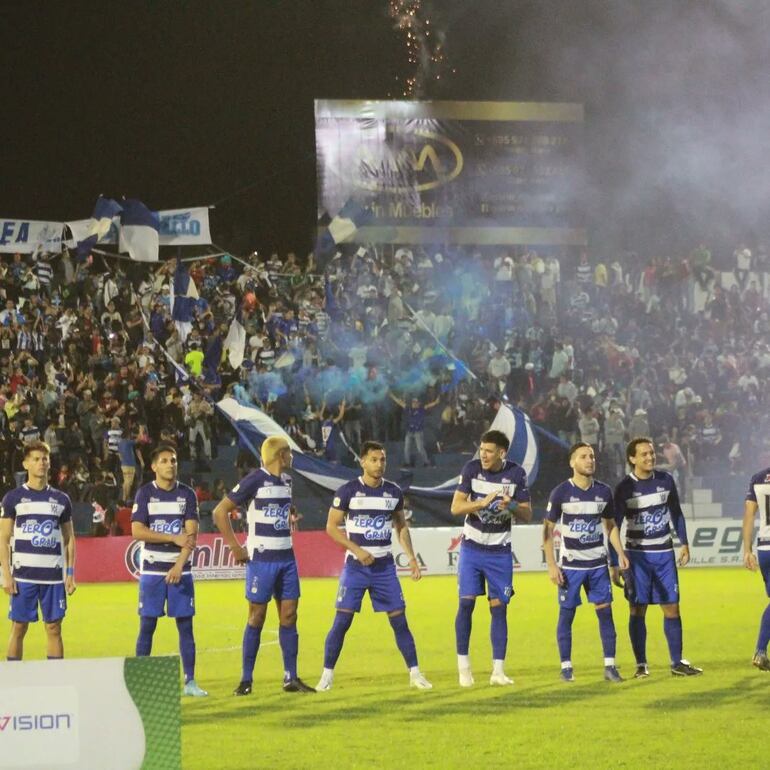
(69,585)
(750,561)
(684,555)
(487,501)
(181,540)
(241,554)
(615,575)
(364,557)
(10,587)
(623,562)
(505,501)
(556,575)
(174,575)
(414,568)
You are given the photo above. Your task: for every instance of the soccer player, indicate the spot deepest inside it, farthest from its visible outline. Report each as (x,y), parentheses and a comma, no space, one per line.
(165,519)
(758,500)
(649,500)
(582,507)
(271,569)
(370,506)
(39,519)
(492,491)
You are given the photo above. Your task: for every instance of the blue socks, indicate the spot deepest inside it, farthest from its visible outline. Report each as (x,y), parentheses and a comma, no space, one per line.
(564,633)
(637,630)
(463,622)
(498,631)
(186,646)
(404,639)
(288,638)
(251,637)
(144,641)
(764,631)
(607,631)
(672,627)
(335,638)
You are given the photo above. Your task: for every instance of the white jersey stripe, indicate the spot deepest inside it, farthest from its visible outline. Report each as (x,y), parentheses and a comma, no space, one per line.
(645,501)
(373,504)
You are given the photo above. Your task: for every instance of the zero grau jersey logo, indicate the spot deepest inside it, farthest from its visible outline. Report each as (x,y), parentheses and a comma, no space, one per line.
(42,533)
(412,160)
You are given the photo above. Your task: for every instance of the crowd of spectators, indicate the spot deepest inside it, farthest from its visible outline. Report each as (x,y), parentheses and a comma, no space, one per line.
(368,341)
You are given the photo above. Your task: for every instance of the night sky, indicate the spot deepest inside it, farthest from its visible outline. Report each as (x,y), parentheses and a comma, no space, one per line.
(196,103)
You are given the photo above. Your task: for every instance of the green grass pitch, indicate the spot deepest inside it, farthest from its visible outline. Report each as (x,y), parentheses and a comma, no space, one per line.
(372,719)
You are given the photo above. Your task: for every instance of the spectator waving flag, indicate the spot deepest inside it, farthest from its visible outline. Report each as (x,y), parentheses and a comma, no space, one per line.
(344,226)
(139,231)
(105,213)
(184,294)
(235,342)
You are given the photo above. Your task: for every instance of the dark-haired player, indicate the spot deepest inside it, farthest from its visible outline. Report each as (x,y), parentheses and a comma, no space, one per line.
(649,502)
(758,501)
(165,519)
(370,507)
(492,491)
(39,519)
(582,508)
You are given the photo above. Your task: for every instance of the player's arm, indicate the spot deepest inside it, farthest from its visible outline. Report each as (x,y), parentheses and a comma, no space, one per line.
(462,504)
(613,535)
(174,575)
(68,539)
(519,505)
(554,572)
(405,538)
(680,526)
(140,531)
(6,531)
(750,508)
(619,506)
(334,522)
(221,515)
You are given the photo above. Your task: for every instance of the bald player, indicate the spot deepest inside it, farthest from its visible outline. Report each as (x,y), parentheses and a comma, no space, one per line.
(271,569)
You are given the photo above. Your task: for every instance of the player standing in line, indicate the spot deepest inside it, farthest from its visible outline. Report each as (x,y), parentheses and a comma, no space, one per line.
(165,519)
(582,507)
(758,500)
(42,572)
(271,569)
(649,500)
(492,491)
(370,506)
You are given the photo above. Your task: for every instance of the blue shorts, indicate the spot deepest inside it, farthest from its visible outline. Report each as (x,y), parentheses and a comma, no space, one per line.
(655,577)
(595,582)
(764,567)
(155,594)
(478,566)
(379,579)
(51,598)
(268,579)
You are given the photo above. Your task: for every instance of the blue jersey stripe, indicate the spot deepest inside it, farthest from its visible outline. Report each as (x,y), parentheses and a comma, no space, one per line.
(38,574)
(26,546)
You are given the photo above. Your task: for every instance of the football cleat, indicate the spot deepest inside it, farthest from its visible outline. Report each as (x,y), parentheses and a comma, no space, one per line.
(192,689)
(611,674)
(500,678)
(642,672)
(296,685)
(419,681)
(466,677)
(244,688)
(325,683)
(761,661)
(567,675)
(683,668)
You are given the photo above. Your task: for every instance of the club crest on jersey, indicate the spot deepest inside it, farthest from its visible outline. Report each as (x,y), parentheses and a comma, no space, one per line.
(660,489)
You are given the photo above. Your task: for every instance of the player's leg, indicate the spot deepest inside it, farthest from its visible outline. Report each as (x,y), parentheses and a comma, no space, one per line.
(760,659)
(181,607)
(287,599)
(259,591)
(598,589)
(152,602)
(498,572)
(54,645)
(22,612)
(639,595)
(353,583)
(16,641)
(470,583)
(53,606)
(568,596)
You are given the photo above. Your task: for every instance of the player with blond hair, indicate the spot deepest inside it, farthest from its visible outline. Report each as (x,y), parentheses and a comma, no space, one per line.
(271,569)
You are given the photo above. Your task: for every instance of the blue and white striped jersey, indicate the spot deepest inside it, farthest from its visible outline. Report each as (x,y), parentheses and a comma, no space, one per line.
(651,507)
(269,506)
(490,528)
(369,514)
(579,513)
(38,550)
(759,492)
(164,511)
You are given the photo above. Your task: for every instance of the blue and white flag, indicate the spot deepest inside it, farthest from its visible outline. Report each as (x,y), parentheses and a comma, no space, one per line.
(100,226)
(184,294)
(139,231)
(344,226)
(235,341)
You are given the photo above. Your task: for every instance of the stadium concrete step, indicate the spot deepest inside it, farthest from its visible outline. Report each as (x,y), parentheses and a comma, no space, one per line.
(702,510)
(702,496)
